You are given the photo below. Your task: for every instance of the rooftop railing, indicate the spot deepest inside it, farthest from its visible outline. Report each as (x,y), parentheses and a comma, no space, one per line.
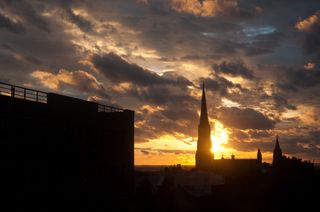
(22,93)
(40,96)
(108,109)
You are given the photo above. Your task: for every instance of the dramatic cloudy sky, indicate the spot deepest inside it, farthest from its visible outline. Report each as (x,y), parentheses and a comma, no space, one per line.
(260,61)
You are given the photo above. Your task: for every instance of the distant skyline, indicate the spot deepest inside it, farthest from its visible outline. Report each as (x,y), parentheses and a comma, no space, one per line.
(260,61)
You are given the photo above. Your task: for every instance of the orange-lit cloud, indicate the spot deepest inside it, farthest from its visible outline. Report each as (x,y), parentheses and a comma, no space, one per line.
(73,78)
(306,24)
(310,66)
(205,8)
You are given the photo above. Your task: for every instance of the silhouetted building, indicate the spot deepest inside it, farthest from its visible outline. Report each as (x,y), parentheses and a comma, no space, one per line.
(204,156)
(277,153)
(61,150)
(235,166)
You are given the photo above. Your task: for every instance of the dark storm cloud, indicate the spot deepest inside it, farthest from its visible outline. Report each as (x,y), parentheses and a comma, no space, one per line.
(244,118)
(177,79)
(221,85)
(181,113)
(198,57)
(312,40)
(258,134)
(6,23)
(162,94)
(315,135)
(262,44)
(294,77)
(311,28)
(281,102)
(32,59)
(119,70)
(23,57)
(27,12)
(162,123)
(252,146)
(84,24)
(233,68)
(240,135)
(145,133)
(178,113)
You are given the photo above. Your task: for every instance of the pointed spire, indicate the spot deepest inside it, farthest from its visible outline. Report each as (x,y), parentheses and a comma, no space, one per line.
(277,143)
(204,113)
(277,153)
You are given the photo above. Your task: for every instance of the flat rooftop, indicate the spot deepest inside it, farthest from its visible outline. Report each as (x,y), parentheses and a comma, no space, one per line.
(42,97)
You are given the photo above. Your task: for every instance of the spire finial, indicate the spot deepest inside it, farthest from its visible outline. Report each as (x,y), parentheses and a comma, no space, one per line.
(277,142)
(204,113)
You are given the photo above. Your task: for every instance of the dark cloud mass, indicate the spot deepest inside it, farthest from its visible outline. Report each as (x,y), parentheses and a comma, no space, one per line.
(119,70)
(233,68)
(259,60)
(15,27)
(294,78)
(311,27)
(244,119)
(81,22)
(24,10)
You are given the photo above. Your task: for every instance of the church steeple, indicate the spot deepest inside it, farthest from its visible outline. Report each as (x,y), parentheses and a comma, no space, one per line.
(277,153)
(204,113)
(277,143)
(203,155)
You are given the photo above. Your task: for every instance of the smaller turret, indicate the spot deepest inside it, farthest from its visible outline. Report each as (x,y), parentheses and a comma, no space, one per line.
(259,157)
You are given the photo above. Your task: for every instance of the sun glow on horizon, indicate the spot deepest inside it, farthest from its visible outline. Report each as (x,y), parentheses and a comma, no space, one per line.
(219,138)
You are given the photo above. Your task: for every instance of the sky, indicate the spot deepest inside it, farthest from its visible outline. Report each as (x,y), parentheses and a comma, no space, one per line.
(260,61)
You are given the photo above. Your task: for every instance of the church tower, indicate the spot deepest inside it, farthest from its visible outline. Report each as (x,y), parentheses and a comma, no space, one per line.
(277,153)
(204,156)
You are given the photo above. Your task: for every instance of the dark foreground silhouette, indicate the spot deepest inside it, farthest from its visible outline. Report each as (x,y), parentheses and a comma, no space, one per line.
(61,153)
(293,186)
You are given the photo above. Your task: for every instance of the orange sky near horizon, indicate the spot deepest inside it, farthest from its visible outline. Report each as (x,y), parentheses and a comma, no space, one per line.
(169,150)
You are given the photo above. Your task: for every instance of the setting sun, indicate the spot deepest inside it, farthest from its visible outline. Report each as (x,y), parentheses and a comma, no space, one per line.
(219,138)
